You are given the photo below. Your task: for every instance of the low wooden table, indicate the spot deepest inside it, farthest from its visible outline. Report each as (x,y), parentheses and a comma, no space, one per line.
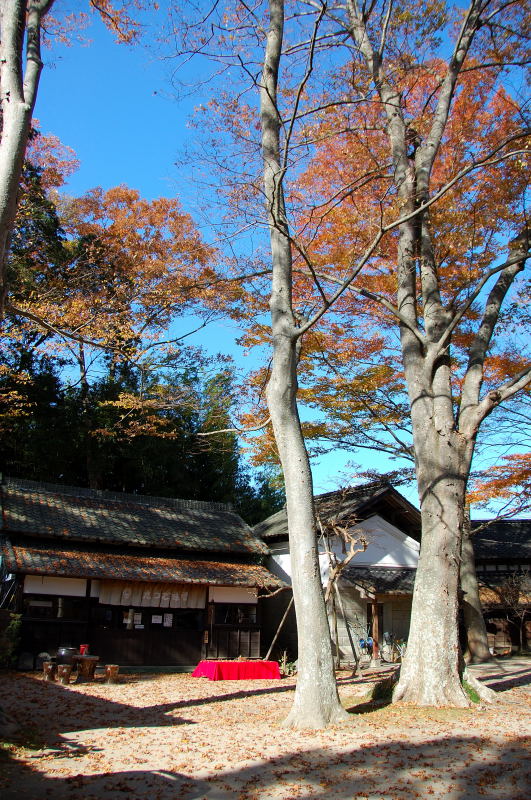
(86,666)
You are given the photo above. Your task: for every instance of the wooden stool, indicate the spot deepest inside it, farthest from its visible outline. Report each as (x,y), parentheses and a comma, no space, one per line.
(86,666)
(63,673)
(111,673)
(50,670)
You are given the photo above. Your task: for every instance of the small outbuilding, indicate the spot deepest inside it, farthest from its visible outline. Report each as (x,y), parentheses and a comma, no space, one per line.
(375,588)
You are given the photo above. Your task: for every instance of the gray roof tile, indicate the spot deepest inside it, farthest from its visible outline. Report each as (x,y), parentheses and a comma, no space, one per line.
(83,515)
(502,539)
(349,505)
(382,580)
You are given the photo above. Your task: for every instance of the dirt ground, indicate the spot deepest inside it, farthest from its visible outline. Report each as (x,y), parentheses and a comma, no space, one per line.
(176,737)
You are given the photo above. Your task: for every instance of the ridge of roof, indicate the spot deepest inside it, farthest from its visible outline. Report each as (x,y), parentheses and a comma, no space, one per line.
(345,502)
(154,501)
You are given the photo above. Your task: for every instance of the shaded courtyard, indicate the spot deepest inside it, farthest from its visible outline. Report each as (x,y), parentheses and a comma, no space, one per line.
(174,736)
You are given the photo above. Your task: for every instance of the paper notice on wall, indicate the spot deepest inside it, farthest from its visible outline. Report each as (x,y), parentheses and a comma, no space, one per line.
(168,620)
(126,595)
(138,618)
(156,619)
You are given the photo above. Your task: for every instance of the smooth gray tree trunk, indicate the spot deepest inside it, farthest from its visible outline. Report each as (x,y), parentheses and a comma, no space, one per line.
(20,69)
(431,669)
(444,422)
(316,703)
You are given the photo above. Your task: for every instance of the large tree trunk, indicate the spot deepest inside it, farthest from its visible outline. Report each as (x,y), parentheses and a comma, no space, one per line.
(18,92)
(477,651)
(444,426)
(316,702)
(431,670)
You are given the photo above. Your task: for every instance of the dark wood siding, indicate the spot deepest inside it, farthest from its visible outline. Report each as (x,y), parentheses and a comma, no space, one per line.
(228,642)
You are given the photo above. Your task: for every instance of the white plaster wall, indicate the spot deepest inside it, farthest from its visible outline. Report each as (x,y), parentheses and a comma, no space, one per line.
(232,594)
(388,546)
(280,561)
(71,587)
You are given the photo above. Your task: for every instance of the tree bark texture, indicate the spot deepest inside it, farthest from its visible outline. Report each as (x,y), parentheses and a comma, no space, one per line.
(431,668)
(477,651)
(316,703)
(20,69)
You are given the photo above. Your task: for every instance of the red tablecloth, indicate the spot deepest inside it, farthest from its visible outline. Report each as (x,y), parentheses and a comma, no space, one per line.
(236,670)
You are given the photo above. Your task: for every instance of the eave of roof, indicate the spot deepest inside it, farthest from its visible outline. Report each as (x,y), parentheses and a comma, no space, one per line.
(382,580)
(502,539)
(76,561)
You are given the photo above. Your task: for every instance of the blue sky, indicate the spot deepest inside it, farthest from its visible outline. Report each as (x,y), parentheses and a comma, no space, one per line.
(114,106)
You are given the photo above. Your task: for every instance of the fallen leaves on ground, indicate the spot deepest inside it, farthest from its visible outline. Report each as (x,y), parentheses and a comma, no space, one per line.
(174,736)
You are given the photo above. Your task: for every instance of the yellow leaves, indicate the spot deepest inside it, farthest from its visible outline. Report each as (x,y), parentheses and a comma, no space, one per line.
(129,264)
(14,404)
(122,18)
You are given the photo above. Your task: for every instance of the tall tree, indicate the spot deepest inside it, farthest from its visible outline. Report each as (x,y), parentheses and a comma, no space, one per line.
(392,102)
(445,286)
(316,700)
(443,442)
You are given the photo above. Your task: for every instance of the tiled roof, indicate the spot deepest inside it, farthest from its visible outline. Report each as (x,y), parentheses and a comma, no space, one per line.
(76,561)
(496,588)
(382,580)
(502,539)
(84,515)
(350,504)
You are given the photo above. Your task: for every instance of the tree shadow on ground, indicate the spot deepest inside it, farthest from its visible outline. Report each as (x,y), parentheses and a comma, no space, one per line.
(73,711)
(502,681)
(456,768)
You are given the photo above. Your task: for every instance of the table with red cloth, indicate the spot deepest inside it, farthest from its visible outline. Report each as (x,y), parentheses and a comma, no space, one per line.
(237,670)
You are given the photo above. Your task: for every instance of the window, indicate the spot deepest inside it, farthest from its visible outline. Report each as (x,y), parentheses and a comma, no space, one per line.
(232,614)
(50,607)
(136,618)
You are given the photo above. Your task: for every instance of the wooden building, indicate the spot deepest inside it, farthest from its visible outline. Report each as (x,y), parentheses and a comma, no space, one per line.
(503,566)
(141,580)
(376,587)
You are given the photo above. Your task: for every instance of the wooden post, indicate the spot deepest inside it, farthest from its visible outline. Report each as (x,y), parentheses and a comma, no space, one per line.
(281,623)
(375,633)
(357,666)
(50,670)
(63,673)
(111,673)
